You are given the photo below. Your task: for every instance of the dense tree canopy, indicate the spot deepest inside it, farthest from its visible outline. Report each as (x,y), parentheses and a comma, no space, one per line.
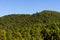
(43,25)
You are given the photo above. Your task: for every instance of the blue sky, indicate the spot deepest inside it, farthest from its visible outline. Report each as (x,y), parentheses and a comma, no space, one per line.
(27,6)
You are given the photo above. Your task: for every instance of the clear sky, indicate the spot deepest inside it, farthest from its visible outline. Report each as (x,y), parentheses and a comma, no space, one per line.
(27,6)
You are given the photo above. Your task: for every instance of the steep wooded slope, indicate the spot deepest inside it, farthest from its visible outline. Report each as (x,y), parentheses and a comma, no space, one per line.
(43,25)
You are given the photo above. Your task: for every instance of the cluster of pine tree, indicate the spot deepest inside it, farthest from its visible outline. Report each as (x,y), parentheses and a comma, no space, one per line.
(43,25)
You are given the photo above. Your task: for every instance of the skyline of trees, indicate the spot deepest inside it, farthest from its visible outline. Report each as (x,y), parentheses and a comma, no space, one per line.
(43,25)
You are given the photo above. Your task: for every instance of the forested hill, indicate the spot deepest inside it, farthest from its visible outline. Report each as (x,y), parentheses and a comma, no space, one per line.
(43,25)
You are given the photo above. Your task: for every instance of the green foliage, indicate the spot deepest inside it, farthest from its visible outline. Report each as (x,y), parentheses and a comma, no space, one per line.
(43,25)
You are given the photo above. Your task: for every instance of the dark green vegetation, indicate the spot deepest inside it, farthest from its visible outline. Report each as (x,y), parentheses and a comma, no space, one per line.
(43,25)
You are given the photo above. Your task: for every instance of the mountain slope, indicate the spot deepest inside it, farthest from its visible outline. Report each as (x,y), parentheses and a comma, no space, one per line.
(43,25)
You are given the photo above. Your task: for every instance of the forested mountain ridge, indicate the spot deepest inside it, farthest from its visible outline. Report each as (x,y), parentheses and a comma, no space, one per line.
(43,25)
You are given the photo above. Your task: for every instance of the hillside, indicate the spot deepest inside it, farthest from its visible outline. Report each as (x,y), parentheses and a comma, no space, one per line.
(43,25)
